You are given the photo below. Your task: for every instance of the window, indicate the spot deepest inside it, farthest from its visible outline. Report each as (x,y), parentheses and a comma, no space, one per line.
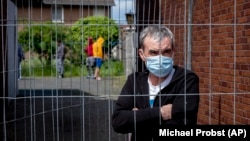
(57,14)
(99,11)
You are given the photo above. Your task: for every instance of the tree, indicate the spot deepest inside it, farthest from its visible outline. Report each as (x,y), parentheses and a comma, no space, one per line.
(41,39)
(92,26)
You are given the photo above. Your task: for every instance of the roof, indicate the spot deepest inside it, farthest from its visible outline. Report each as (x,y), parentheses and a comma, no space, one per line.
(81,2)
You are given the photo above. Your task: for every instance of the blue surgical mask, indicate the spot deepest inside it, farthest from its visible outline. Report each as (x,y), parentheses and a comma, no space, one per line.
(160,66)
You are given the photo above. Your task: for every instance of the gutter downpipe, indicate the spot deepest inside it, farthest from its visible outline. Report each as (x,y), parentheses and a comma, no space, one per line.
(189,51)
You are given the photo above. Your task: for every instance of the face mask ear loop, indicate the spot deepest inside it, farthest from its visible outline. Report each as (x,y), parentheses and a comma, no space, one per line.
(173,58)
(173,55)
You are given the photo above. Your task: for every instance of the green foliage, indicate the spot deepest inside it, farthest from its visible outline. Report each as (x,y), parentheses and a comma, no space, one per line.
(92,26)
(41,39)
(112,68)
(34,67)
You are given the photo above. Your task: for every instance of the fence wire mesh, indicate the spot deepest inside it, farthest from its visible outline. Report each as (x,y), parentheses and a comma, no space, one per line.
(211,39)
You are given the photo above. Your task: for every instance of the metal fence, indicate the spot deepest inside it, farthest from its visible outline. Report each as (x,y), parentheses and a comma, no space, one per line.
(42,107)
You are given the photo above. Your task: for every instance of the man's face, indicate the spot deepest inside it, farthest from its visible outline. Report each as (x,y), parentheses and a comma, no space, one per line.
(154,48)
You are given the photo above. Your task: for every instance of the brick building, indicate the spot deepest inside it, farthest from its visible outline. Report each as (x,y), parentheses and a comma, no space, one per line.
(213,39)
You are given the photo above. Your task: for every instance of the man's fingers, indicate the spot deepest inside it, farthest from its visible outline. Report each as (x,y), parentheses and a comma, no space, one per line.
(166,111)
(135,109)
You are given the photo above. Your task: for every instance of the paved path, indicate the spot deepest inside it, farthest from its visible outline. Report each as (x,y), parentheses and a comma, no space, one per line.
(109,87)
(69,109)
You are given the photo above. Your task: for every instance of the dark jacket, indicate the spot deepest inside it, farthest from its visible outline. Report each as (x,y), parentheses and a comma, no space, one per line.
(183,86)
(20,54)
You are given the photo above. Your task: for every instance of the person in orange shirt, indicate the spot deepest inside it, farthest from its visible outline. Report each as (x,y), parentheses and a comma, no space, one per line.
(98,55)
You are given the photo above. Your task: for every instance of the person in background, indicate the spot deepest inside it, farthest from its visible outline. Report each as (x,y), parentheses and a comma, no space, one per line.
(163,95)
(60,55)
(98,55)
(90,60)
(21,57)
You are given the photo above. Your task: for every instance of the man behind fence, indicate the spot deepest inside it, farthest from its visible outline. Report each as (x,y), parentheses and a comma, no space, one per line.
(163,95)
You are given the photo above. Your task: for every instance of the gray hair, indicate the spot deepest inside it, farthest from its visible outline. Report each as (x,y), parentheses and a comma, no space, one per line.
(157,32)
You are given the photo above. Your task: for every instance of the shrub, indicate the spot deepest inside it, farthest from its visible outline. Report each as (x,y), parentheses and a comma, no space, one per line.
(41,39)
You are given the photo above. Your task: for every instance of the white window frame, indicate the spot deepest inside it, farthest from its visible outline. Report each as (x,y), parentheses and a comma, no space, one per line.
(55,9)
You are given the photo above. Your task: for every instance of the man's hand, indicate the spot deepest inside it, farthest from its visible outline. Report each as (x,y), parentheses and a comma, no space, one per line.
(166,111)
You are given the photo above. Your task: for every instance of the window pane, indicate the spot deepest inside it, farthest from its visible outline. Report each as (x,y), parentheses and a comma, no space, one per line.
(57,14)
(99,11)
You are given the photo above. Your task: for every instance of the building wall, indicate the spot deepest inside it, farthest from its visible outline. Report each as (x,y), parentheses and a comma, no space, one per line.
(43,13)
(12,50)
(220,55)
(34,14)
(3,62)
(73,14)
